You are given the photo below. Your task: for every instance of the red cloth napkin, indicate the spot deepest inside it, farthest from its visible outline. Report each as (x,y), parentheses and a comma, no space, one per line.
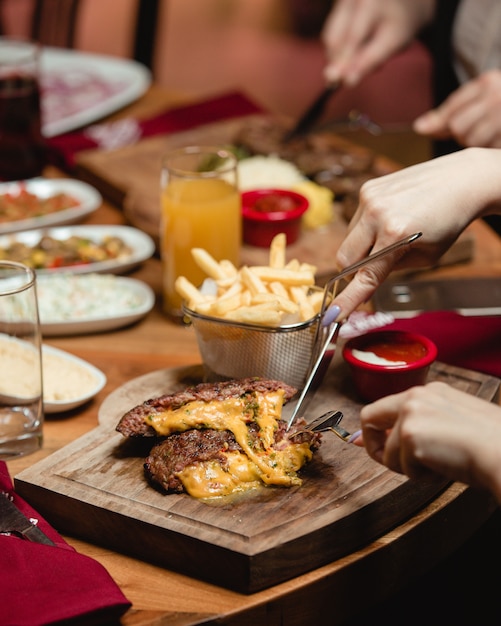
(42,584)
(470,342)
(63,148)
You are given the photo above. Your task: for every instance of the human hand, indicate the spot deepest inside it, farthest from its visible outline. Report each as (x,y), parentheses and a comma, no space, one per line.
(470,115)
(359,35)
(439,198)
(436,429)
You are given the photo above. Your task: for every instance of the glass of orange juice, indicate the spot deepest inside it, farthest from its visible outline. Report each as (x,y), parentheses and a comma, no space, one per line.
(201,208)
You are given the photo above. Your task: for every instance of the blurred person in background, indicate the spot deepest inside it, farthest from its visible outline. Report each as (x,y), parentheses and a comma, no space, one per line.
(465,38)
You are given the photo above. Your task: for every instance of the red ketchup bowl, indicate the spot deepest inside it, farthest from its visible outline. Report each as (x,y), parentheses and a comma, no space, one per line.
(383,362)
(268,212)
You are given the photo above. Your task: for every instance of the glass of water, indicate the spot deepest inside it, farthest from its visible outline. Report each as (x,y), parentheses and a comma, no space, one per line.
(21,388)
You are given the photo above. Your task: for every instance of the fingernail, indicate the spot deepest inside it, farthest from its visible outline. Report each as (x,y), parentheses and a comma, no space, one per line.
(355,436)
(331,315)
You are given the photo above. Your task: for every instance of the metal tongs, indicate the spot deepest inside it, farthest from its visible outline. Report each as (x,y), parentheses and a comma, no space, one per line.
(312,113)
(326,336)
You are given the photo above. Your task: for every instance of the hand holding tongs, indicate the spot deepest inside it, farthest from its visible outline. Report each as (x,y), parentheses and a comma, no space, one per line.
(325,340)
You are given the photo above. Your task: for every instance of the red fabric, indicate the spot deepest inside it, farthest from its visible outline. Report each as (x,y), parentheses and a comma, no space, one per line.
(42,584)
(470,342)
(63,148)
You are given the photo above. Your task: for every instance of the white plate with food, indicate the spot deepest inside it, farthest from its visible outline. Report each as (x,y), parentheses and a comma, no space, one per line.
(79,88)
(74,304)
(44,202)
(79,249)
(68,381)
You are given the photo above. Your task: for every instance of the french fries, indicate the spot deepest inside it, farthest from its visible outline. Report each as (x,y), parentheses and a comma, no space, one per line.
(261,295)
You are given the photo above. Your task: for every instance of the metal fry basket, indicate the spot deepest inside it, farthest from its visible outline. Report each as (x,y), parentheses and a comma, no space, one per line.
(289,352)
(235,350)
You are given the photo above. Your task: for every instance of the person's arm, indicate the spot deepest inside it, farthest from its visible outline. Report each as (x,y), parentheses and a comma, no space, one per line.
(439,198)
(436,429)
(470,115)
(359,35)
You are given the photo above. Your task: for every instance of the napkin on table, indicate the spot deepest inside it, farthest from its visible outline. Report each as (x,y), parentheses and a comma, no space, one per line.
(113,135)
(471,342)
(43,584)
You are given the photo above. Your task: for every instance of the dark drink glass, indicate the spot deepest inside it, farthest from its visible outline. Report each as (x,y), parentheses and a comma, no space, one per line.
(22,146)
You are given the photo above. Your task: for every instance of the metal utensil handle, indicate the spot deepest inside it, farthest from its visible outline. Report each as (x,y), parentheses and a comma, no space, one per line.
(351,269)
(13,520)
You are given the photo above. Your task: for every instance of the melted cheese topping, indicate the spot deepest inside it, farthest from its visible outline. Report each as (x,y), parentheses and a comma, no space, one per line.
(208,479)
(260,461)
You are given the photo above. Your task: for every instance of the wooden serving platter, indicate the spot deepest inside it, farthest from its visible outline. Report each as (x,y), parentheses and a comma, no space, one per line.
(130,178)
(95,489)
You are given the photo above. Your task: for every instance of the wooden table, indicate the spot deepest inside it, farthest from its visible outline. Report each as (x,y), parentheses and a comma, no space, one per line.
(161,596)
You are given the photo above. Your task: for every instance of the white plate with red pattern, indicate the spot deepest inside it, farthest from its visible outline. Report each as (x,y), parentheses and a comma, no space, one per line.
(79,88)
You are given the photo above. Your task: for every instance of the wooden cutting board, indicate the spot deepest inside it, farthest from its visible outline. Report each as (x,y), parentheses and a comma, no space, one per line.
(95,489)
(130,178)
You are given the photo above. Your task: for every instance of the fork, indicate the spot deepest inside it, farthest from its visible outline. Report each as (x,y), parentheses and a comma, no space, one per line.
(327,421)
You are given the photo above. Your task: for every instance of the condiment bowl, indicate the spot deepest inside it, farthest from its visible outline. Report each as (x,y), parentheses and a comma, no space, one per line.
(384,362)
(268,212)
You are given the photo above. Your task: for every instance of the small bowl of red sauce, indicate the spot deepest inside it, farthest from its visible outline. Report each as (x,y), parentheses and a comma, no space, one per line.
(383,362)
(268,212)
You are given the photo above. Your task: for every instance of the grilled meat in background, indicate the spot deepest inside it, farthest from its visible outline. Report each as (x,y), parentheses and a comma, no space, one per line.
(323,157)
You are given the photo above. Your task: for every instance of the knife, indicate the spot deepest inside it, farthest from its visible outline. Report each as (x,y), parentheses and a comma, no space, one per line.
(13,521)
(312,114)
